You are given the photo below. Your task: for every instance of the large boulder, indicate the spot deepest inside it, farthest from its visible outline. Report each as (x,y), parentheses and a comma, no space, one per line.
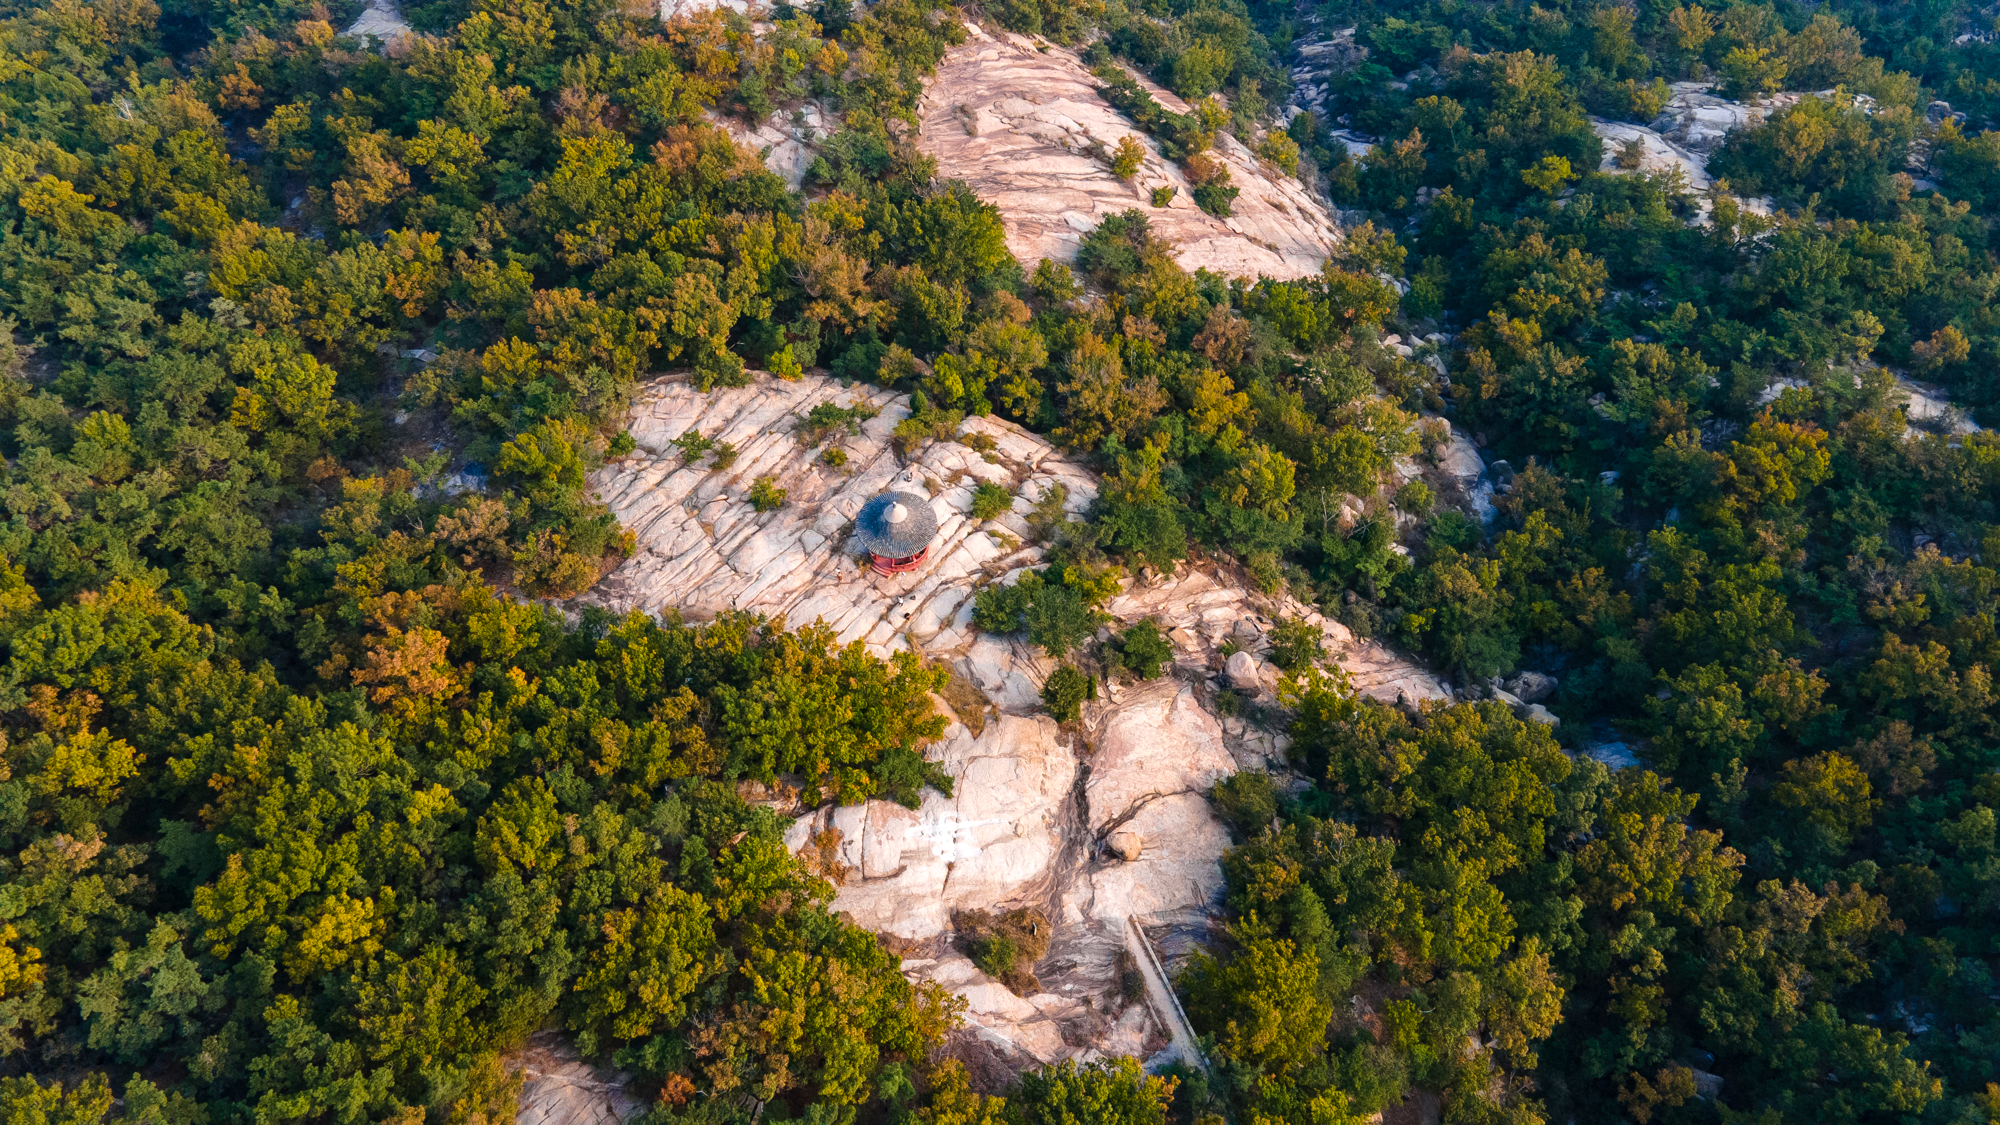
(1242,672)
(1460,460)
(995,837)
(1532,687)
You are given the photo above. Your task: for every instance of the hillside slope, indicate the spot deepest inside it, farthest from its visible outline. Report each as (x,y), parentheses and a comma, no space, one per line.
(1036,804)
(1017,121)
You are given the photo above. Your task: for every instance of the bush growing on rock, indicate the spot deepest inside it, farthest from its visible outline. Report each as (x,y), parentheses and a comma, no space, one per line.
(1058,615)
(693,446)
(1064,692)
(1295,644)
(925,423)
(1118,248)
(1006,946)
(1142,649)
(1247,802)
(1280,149)
(1049,517)
(989,500)
(996,955)
(765,495)
(1205,169)
(1180,134)
(827,417)
(1126,158)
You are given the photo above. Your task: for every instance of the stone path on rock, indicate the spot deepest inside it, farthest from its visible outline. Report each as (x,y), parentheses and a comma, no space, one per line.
(1018,121)
(1183,1047)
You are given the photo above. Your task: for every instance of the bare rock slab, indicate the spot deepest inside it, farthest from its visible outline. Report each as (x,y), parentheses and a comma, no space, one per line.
(1019,123)
(559,1088)
(993,840)
(703,549)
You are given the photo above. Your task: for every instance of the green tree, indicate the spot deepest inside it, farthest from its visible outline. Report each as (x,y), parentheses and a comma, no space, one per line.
(1113,1092)
(1125,159)
(1262,1004)
(1142,649)
(1065,690)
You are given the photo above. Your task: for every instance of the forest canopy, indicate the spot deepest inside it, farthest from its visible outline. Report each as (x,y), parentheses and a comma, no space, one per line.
(316,795)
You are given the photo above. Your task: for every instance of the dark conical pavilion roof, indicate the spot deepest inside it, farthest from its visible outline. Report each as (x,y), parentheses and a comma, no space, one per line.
(895,525)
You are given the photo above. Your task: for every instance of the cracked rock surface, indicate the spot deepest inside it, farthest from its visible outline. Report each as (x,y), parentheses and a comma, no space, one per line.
(993,840)
(1689,130)
(1019,124)
(788,140)
(702,548)
(380,19)
(558,1088)
(1034,803)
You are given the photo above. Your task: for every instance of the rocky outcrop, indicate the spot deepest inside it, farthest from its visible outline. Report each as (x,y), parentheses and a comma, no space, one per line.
(1022,123)
(994,841)
(1031,815)
(380,20)
(1103,825)
(1656,154)
(1462,468)
(1158,753)
(1928,407)
(1032,822)
(703,548)
(1693,125)
(558,1088)
(788,141)
(1202,612)
(1697,120)
(1689,130)
(1315,63)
